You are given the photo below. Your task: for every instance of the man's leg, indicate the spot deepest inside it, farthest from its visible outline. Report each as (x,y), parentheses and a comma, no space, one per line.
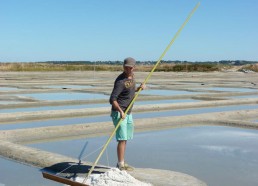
(121,146)
(121,137)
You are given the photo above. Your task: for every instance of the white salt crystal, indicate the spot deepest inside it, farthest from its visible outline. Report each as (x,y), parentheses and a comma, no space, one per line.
(113,177)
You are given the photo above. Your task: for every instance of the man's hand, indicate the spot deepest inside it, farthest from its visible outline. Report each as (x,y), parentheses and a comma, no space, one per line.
(142,86)
(122,115)
(118,108)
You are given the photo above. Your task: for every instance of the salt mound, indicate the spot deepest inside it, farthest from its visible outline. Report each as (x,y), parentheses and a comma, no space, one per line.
(113,177)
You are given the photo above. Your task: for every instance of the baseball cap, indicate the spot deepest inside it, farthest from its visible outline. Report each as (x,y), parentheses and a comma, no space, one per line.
(129,62)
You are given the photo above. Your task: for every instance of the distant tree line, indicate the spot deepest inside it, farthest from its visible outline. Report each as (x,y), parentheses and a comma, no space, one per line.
(225,62)
(166,66)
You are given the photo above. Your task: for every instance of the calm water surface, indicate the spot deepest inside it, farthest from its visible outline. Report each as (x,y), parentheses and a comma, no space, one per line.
(228,89)
(246,96)
(68,86)
(69,121)
(9,102)
(167,92)
(216,155)
(16,174)
(8,88)
(33,109)
(66,96)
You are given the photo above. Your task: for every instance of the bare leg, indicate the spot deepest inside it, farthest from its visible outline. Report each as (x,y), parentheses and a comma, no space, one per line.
(121,146)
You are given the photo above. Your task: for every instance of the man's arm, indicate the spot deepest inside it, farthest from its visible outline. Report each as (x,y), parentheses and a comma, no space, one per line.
(118,87)
(118,108)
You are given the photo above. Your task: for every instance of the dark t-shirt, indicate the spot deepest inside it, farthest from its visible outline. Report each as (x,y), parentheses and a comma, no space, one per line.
(123,92)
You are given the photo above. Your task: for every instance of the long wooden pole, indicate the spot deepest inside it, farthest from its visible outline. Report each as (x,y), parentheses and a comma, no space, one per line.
(136,95)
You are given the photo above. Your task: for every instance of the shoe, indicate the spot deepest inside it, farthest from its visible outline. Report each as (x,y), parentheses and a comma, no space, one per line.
(125,167)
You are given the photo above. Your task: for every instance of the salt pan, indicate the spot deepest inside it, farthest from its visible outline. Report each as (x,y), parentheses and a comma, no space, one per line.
(113,177)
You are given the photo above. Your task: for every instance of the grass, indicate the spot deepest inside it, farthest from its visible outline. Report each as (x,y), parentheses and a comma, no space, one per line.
(19,67)
(167,67)
(251,67)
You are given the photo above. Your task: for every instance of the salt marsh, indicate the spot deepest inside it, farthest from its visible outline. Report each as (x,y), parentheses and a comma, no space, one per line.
(198,125)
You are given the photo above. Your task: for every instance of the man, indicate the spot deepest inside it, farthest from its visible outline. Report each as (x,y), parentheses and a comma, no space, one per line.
(121,96)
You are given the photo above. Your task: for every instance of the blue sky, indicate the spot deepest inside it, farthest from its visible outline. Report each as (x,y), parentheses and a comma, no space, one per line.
(65,30)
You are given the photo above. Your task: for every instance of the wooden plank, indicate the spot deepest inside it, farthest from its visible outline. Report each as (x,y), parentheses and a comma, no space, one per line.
(62,180)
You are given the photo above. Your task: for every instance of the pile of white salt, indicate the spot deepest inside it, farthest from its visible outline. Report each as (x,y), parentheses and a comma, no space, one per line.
(113,177)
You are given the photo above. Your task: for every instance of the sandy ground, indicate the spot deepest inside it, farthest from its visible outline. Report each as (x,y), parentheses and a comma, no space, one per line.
(201,84)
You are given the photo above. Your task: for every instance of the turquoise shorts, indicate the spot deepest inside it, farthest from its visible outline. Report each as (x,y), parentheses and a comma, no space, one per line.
(126,128)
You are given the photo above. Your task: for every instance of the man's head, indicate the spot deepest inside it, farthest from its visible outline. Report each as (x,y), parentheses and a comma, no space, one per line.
(129,64)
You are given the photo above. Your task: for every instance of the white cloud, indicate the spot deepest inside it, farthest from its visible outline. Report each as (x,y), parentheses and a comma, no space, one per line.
(225,150)
(230,134)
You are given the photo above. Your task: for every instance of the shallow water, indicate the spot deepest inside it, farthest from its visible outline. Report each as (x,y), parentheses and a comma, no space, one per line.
(33,109)
(16,174)
(8,102)
(8,88)
(161,92)
(166,101)
(228,89)
(246,96)
(54,122)
(66,96)
(194,111)
(69,121)
(68,86)
(216,155)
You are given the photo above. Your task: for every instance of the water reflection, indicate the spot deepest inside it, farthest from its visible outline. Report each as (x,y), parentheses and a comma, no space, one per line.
(78,120)
(66,96)
(182,112)
(228,89)
(68,86)
(216,155)
(33,109)
(246,96)
(8,102)
(16,174)
(54,122)
(166,101)
(8,88)
(167,92)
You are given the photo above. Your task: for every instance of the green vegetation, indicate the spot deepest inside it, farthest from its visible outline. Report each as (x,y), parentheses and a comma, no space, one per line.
(249,67)
(189,67)
(166,66)
(56,67)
